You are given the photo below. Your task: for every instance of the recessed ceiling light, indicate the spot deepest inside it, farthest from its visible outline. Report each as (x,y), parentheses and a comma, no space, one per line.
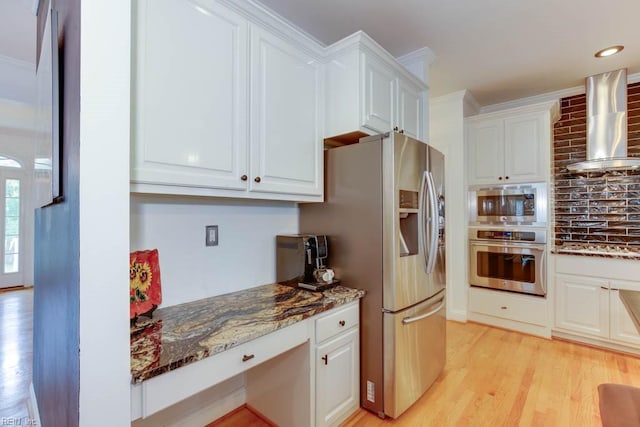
(608,51)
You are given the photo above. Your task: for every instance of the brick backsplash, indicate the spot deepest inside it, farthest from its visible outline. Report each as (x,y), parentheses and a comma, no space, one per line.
(601,208)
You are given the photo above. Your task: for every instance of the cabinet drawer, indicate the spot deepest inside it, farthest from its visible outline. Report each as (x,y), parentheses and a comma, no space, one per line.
(510,306)
(171,387)
(336,321)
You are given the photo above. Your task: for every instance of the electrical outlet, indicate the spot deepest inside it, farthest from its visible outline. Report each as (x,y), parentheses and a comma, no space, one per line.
(371,391)
(211,235)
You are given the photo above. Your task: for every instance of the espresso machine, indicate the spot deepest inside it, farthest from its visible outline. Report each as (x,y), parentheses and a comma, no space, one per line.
(301,261)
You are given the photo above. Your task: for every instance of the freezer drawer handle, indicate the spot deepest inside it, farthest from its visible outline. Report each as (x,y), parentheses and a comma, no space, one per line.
(408,320)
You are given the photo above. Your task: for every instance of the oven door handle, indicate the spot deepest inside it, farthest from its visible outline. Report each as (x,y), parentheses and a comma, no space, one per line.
(490,245)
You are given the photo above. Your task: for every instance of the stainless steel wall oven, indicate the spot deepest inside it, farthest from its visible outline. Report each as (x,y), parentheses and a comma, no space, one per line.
(511,259)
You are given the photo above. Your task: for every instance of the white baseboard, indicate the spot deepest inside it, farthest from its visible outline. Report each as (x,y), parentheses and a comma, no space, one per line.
(594,342)
(457,315)
(32,407)
(527,328)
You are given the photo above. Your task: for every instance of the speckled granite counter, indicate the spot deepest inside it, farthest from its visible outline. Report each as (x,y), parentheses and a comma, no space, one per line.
(602,251)
(185,333)
(631,301)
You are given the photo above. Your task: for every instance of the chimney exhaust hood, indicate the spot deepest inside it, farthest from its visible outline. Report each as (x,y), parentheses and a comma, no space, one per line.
(606,124)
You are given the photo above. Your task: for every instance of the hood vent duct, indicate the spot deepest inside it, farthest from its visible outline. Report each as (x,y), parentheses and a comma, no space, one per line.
(607,124)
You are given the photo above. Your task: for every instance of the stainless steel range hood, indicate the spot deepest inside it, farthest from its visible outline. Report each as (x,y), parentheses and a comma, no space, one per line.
(607,124)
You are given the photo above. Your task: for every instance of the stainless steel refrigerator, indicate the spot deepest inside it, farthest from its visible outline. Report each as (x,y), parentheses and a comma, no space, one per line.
(384,217)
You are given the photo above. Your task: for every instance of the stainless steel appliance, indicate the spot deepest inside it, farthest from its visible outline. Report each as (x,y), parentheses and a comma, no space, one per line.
(607,127)
(509,204)
(384,217)
(299,260)
(511,259)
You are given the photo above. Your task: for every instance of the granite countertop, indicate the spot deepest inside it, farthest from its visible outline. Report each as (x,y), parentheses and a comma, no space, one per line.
(185,333)
(631,301)
(598,250)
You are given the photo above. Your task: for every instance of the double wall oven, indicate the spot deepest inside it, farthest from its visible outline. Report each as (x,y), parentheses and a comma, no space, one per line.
(508,238)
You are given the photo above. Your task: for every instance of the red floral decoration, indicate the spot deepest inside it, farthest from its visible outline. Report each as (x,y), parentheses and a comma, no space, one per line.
(145,292)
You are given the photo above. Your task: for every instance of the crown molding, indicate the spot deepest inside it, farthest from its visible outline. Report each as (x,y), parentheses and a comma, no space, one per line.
(545,97)
(422,54)
(17,63)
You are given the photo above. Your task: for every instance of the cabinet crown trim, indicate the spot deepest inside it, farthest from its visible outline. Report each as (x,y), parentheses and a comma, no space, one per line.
(553,107)
(361,40)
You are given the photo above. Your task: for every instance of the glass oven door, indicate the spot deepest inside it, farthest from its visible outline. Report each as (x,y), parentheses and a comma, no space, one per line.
(511,267)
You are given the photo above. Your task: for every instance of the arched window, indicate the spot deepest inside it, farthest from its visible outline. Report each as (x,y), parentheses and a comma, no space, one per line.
(7,162)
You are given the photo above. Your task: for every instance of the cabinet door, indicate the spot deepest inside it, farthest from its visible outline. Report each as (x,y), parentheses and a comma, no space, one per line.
(378,94)
(410,110)
(524,150)
(337,378)
(582,305)
(190,97)
(286,133)
(485,141)
(622,327)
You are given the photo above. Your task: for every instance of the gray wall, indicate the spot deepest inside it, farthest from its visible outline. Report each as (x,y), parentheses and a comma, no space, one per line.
(56,374)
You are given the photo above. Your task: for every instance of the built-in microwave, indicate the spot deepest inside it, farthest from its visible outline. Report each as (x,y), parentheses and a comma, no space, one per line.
(524,204)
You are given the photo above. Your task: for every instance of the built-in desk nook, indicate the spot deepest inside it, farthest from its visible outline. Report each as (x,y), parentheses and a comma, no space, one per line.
(306,338)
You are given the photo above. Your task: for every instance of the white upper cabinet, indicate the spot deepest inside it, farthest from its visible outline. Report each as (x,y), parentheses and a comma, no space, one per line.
(379,95)
(410,110)
(286,140)
(511,146)
(485,142)
(222,106)
(190,95)
(369,92)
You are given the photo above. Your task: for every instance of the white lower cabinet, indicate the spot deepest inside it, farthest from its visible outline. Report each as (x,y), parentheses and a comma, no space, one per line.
(588,306)
(337,360)
(582,304)
(592,306)
(519,312)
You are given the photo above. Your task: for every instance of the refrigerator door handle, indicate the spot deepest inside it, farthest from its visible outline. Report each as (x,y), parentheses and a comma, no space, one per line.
(421,316)
(433,222)
(422,230)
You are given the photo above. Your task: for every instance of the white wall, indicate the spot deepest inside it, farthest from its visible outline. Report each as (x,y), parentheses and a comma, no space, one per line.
(447,134)
(105,371)
(17,80)
(244,258)
(17,141)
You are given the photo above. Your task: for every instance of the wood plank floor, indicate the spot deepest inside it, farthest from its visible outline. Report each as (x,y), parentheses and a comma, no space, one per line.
(16,354)
(495,377)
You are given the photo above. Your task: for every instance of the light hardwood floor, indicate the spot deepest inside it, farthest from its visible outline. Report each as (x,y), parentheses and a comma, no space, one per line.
(495,377)
(16,354)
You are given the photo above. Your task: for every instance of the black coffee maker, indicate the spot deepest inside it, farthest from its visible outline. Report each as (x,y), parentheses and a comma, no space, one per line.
(301,261)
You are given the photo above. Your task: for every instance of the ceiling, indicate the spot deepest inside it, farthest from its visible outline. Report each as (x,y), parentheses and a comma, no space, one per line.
(500,50)
(18,30)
